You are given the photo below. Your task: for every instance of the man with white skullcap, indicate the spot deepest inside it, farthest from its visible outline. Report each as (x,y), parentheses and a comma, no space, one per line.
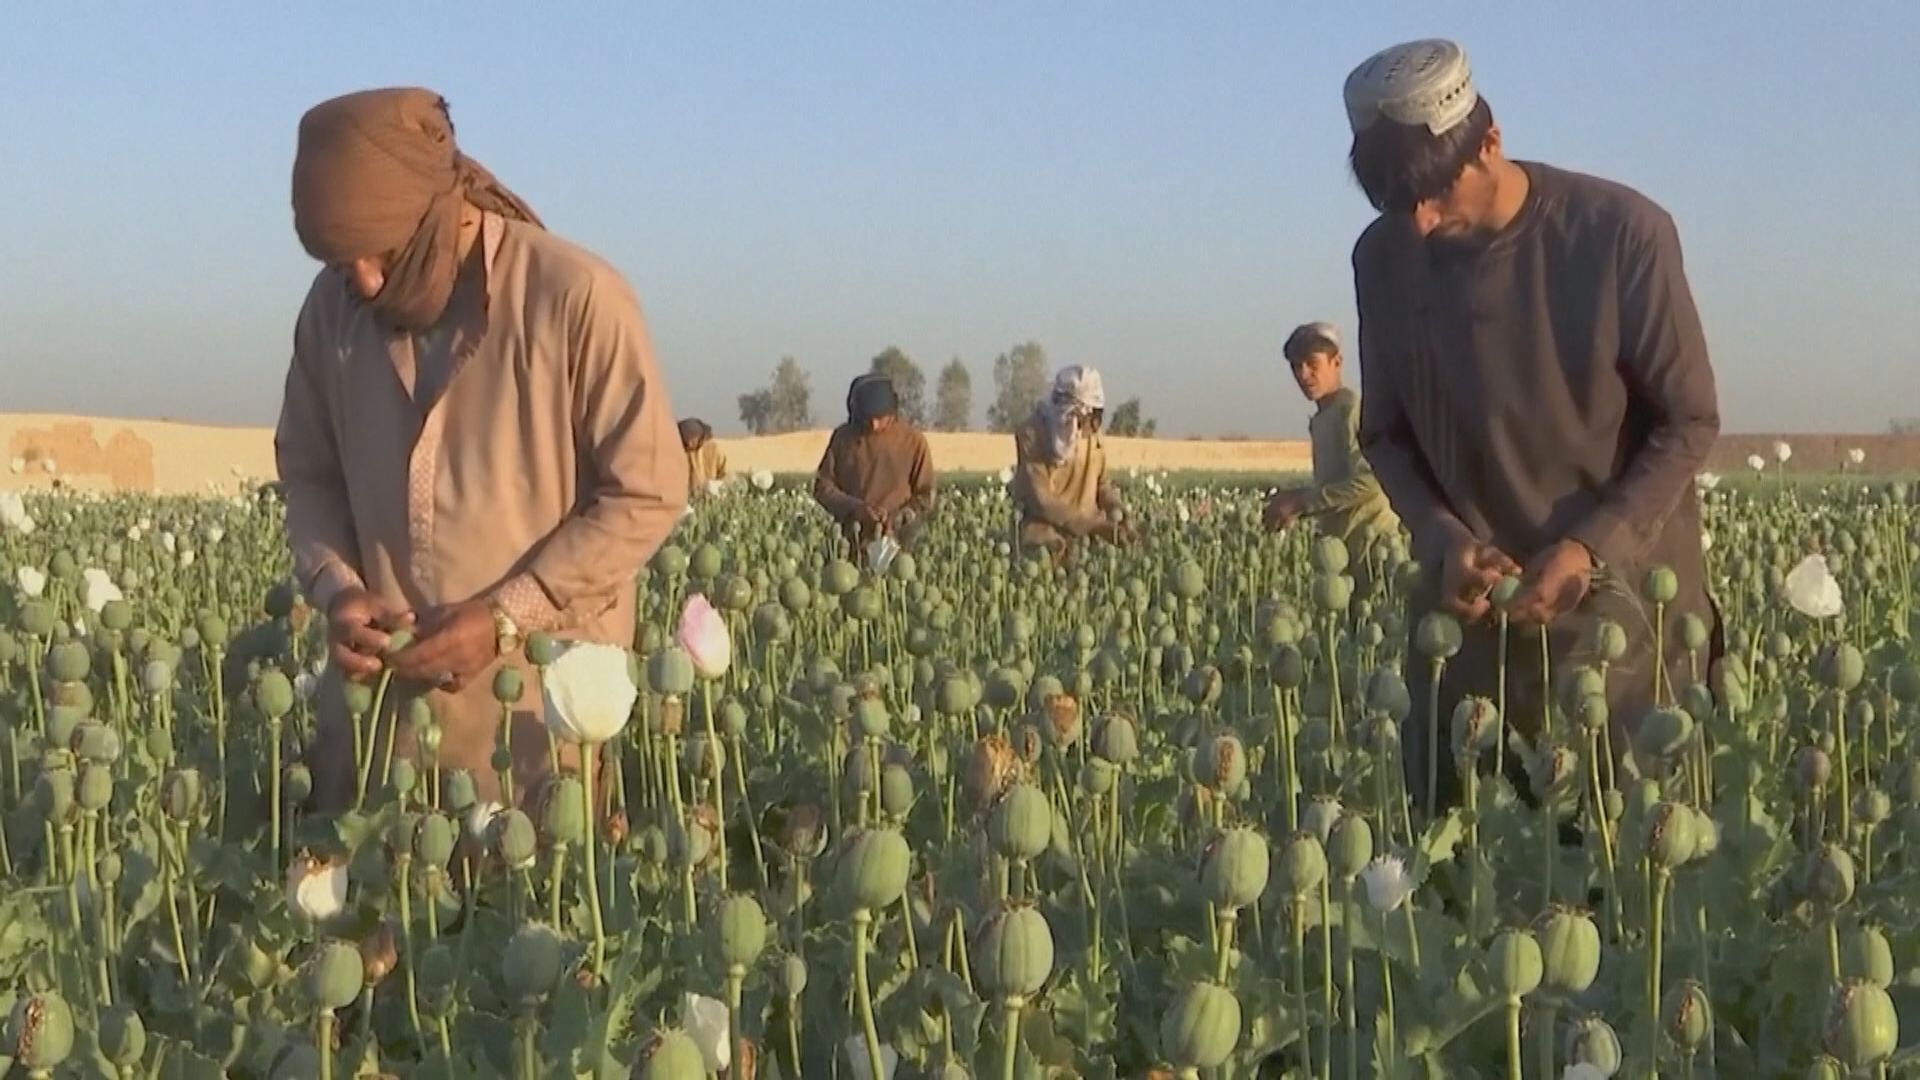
(1537,399)
(1060,476)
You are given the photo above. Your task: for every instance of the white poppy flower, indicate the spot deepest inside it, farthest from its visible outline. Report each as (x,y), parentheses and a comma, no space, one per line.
(1180,511)
(98,589)
(305,684)
(1756,463)
(1388,884)
(589,692)
(715,487)
(881,552)
(1812,590)
(1707,481)
(1781,452)
(1706,540)
(13,510)
(480,817)
(186,558)
(317,889)
(33,580)
(168,542)
(762,480)
(705,1021)
(18,466)
(1006,475)
(215,534)
(1857,456)
(47,466)
(858,1064)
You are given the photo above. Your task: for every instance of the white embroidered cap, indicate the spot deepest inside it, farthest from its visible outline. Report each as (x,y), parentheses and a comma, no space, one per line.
(1420,82)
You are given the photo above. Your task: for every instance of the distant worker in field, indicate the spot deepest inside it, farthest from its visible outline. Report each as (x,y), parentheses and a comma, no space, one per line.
(1060,473)
(1345,498)
(876,477)
(475,440)
(1538,400)
(706,464)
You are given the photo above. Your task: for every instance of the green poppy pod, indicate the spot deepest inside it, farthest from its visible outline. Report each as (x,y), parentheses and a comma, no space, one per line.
(95,791)
(1828,876)
(838,578)
(740,931)
(1592,1041)
(1098,777)
(1693,632)
(274,694)
(1203,685)
(1220,764)
(896,790)
(1840,666)
(1021,823)
(955,696)
(1006,687)
(1811,769)
(333,976)
(68,662)
(530,966)
(1865,954)
(1612,640)
(514,839)
(669,562)
(1570,952)
(434,839)
(1686,1016)
(733,593)
(37,618)
(1286,667)
(1234,872)
(1117,740)
(1303,865)
(1476,727)
(1663,734)
(1438,637)
(670,672)
(796,596)
(565,820)
(875,868)
(180,795)
(793,976)
(1504,591)
(1670,834)
(1660,586)
(543,648)
(1201,1028)
(1349,846)
(123,1037)
(1013,953)
(670,1055)
(117,615)
(1514,964)
(1330,556)
(1188,580)
(1862,1027)
(1387,695)
(863,604)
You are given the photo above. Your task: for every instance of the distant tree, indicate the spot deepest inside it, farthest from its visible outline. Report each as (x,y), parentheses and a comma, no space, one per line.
(909,382)
(1906,425)
(1126,421)
(785,404)
(1019,380)
(756,411)
(953,398)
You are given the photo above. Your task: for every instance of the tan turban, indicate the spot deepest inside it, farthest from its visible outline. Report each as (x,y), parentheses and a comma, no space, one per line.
(377,173)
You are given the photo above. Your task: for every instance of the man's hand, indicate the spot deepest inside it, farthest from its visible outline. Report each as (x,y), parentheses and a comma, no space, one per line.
(1554,584)
(1283,509)
(459,644)
(1468,575)
(867,514)
(358,625)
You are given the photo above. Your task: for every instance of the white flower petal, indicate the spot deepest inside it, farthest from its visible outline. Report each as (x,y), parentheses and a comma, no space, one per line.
(1812,590)
(705,1021)
(589,692)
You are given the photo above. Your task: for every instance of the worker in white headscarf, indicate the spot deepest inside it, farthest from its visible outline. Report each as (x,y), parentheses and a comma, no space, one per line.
(1060,478)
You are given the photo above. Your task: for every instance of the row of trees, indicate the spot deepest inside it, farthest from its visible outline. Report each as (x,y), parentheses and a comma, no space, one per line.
(1020,378)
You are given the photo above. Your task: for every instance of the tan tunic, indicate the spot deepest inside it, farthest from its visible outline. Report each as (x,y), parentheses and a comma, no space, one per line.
(1346,498)
(891,471)
(543,475)
(704,465)
(1058,500)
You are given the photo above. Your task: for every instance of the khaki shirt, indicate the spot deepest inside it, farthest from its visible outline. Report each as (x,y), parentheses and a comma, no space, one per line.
(1058,498)
(1346,497)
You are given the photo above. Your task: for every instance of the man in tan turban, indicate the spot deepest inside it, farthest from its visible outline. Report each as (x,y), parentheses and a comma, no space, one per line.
(475,441)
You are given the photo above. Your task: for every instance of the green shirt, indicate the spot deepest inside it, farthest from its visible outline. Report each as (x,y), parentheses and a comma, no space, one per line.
(1346,497)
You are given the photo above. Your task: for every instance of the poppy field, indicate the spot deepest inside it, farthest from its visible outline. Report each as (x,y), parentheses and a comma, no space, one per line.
(951,812)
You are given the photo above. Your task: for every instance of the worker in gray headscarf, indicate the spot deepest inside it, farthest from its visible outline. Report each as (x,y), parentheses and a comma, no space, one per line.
(1060,476)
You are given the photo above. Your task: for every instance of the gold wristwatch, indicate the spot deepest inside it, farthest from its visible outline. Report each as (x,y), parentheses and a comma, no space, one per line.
(506,633)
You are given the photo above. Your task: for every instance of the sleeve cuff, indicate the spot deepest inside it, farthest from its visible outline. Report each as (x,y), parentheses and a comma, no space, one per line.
(329,582)
(1606,536)
(527,604)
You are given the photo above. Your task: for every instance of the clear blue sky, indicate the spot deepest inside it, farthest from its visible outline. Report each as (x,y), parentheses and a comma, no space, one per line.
(1154,188)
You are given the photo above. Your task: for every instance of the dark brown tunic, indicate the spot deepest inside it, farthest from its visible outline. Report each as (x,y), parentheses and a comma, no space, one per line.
(1550,383)
(890,470)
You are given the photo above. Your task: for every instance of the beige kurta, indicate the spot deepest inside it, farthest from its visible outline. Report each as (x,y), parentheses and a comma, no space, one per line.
(543,474)
(1058,500)
(704,465)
